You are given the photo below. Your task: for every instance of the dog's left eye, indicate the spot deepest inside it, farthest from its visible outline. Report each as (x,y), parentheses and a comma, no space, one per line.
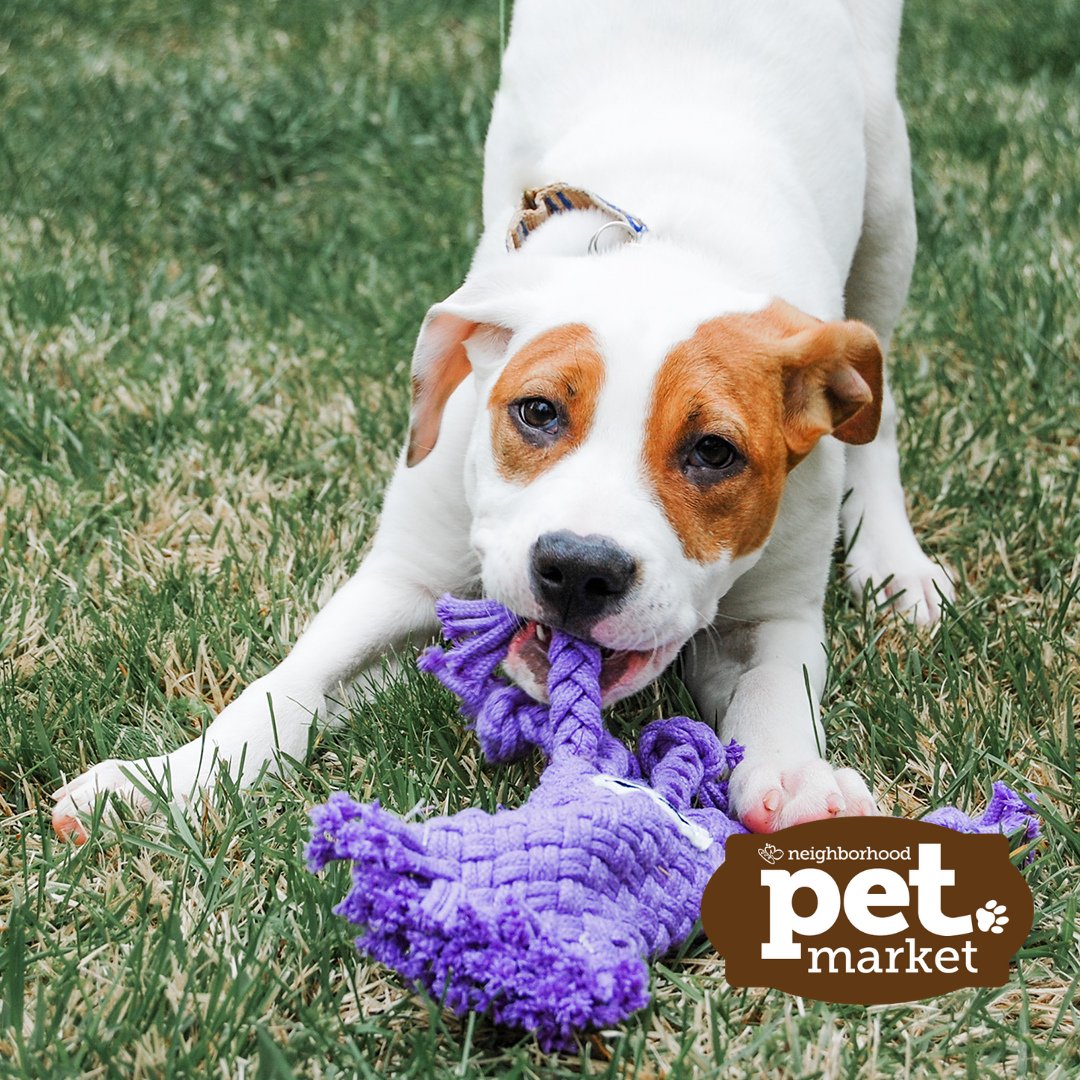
(539,413)
(713,453)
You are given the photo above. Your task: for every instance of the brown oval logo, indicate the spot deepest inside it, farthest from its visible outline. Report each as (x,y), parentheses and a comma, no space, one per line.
(867,911)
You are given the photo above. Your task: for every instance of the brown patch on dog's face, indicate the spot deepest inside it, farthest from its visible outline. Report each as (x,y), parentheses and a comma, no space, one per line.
(563,367)
(718,382)
(760,390)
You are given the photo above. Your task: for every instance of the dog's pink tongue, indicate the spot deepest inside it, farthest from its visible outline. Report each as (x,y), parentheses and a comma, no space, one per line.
(620,668)
(529,646)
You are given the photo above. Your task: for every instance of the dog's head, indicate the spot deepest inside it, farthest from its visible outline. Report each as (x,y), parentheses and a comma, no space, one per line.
(637,423)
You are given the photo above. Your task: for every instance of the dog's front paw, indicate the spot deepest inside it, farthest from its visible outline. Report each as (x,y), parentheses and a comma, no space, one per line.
(76,800)
(768,797)
(906,579)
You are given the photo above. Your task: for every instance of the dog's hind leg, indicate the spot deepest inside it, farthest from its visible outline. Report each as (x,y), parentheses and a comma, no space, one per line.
(882,548)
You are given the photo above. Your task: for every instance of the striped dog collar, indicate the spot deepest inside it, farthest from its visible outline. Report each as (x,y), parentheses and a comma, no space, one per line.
(539,204)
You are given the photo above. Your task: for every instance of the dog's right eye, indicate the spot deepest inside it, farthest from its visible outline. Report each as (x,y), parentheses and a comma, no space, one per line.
(539,413)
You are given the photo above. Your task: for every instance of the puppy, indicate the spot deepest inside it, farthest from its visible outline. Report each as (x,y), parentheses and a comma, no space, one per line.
(636,419)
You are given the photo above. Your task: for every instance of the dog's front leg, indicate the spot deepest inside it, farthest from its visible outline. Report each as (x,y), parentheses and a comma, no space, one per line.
(759,671)
(421,550)
(762,682)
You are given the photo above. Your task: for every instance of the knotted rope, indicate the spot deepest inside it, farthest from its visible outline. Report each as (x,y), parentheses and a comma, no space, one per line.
(543,916)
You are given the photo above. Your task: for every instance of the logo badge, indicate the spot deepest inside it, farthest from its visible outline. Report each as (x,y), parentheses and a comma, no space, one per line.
(867,911)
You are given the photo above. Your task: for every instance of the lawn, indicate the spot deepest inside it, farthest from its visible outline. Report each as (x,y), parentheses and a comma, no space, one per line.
(220,225)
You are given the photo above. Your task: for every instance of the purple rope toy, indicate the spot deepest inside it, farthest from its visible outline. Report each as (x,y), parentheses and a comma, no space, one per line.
(544,916)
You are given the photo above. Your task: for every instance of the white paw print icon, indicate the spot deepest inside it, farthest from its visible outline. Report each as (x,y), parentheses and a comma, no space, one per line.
(991,917)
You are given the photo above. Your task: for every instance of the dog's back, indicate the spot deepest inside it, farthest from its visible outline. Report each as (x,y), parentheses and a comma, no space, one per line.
(698,117)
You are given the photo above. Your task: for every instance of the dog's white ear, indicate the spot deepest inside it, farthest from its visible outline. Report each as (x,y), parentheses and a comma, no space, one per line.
(440,361)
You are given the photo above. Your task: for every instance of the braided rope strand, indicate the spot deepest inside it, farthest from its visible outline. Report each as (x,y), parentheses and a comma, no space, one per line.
(543,916)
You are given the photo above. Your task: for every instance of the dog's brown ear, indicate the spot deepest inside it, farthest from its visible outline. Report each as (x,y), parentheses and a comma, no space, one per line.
(439,366)
(832,384)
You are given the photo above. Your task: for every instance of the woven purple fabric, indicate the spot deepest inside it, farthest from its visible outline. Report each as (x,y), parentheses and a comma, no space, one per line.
(1006,813)
(544,916)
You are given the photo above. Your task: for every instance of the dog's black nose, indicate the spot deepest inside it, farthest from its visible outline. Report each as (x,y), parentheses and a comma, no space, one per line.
(580,578)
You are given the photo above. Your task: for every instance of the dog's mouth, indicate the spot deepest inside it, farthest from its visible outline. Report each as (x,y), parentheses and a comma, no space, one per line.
(622,671)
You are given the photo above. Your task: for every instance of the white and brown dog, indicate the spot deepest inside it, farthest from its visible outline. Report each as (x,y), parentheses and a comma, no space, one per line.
(634,427)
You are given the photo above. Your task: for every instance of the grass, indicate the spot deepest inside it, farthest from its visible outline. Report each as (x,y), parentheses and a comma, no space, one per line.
(220,226)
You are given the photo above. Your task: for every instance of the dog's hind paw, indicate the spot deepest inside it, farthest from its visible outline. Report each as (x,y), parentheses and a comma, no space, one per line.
(914,587)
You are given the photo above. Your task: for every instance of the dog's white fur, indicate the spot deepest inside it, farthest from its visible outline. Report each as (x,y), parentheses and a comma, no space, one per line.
(765,149)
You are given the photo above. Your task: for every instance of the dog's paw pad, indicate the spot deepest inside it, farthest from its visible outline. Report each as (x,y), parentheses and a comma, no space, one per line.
(69,829)
(79,796)
(768,798)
